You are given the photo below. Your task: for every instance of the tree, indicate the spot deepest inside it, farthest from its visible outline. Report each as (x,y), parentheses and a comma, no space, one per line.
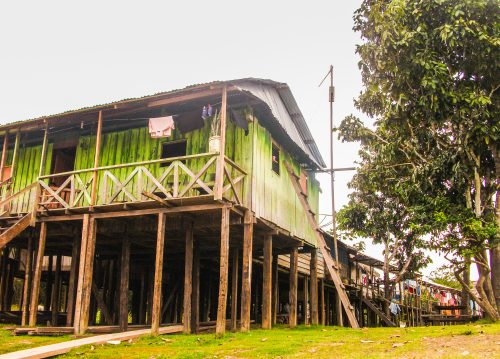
(444,275)
(431,78)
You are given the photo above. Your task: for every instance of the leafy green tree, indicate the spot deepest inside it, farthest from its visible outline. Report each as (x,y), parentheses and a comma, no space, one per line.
(444,275)
(431,82)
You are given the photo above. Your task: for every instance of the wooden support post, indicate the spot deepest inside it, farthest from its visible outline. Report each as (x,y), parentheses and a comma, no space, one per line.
(4,155)
(188,279)
(267,275)
(124,283)
(195,297)
(93,197)
(246,271)
(275,297)
(294,256)
(220,327)
(75,258)
(56,292)
(13,166)
(322,301)
(142,299)
(313,266)
(85,274)
(157,286)
(27,280)
(41,171)
(219,172)
(37,275)
(3,276)
(48,284)
(234,289)
(305,300)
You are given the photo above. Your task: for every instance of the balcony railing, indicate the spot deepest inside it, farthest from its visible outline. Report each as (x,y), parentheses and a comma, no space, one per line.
(163,179)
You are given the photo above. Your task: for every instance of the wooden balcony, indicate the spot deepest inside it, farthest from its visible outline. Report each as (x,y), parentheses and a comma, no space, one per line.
(169,181)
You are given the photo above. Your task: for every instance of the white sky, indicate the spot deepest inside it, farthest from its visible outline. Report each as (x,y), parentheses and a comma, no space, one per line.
(62,55)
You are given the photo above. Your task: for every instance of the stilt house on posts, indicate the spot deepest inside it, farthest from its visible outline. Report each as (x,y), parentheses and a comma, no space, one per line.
(195,206)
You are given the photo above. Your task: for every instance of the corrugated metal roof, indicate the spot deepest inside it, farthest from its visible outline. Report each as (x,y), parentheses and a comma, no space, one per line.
(276,95)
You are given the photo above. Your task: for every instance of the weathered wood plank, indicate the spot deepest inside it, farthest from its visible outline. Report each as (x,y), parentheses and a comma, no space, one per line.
(314,288)
(157,286)
(294,253)
(267,283)
(37,275)
(27,281)
(220,327)
(246,271)
(235,254)
(75,258)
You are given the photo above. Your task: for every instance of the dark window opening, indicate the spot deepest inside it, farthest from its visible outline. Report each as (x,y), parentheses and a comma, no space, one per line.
(172,149)
(276,159)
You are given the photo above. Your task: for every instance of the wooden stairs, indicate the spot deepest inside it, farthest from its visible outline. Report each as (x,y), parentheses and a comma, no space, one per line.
(13,226)
(329,261)
(379,311)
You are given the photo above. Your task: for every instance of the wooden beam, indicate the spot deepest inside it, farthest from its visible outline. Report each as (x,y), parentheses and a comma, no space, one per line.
(124,284)
(313,267)
(13,167)
(267,283)
(195,297)
(246,271)
(37,275)
(56,291)
(4,154)
(27,280)
(157,286)
(188,279)
(48,284)
(322,301)
(220,327)
(97,154)
(294,255)
(85,274)
(275,298)
(234,288)
(219,171)
(305,300)
(75,258)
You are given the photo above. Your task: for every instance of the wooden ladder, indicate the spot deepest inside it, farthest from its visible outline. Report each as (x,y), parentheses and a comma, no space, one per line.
(378,311)
(329,261)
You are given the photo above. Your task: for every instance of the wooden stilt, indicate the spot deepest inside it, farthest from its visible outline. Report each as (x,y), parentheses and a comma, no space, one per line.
(246,272)
(294,255)
(3,276)
(157,287)
(142,299)
(188,279)
(234,288)
(275,297)
(313,266)
(267,275)
(305,301)
(124,283)
(37,275)
(48,284)
(85,274)
(195,297)
(75,259)
(322,301)
(220,327)
(56,292)
(27,280)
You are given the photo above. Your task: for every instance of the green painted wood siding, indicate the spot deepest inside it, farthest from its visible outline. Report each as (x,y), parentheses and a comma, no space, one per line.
(269,195)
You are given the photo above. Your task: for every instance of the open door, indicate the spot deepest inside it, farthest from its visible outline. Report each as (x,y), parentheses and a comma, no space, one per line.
(63,160)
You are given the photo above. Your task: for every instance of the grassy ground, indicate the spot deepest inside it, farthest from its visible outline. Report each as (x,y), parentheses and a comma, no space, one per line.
(10,343)
(474,340)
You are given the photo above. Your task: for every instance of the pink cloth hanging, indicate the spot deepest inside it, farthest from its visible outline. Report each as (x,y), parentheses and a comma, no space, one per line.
(161,126)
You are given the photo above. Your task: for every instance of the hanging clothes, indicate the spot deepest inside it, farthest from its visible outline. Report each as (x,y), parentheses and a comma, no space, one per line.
(161,126)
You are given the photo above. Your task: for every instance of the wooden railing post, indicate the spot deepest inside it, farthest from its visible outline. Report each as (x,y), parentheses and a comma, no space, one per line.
(38,190)
(4,154)
(219,172)
(93,196)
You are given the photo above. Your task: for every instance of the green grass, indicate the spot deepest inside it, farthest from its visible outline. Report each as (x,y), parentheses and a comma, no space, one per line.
(473,340)
(10,343)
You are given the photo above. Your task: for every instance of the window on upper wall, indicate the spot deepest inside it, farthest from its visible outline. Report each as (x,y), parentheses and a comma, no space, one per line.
(172,149)
(276,159)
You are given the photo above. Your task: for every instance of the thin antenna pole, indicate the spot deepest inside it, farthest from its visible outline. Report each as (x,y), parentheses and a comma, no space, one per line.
(331,99)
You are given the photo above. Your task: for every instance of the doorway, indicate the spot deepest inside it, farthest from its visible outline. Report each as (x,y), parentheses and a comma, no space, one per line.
(63,160)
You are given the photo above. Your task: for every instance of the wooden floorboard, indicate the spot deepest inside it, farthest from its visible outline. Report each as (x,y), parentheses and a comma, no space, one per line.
(48,351)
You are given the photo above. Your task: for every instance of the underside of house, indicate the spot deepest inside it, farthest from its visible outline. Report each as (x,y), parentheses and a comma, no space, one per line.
(107,225)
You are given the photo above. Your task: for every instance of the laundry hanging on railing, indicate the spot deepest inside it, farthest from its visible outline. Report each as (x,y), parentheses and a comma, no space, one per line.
(161,126)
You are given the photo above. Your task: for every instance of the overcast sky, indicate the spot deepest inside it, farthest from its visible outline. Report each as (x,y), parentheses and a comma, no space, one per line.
(62,55)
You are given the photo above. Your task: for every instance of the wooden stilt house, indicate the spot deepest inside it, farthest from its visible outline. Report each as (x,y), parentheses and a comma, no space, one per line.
(193,206)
